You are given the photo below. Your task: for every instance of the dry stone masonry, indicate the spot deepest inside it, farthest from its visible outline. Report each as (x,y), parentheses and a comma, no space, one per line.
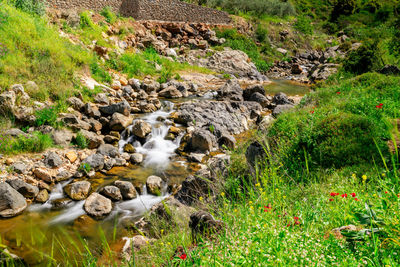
(160,10)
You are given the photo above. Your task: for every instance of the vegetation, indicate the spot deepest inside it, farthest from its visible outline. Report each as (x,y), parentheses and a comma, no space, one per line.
(32,143)
(81,141)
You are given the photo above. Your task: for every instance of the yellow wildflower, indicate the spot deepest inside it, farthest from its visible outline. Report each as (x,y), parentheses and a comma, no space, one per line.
(162,231)
(284,197)
(201,198)
(364,177)
(235,210)
(222,194)
(354,175)
(250,202)
(258,184)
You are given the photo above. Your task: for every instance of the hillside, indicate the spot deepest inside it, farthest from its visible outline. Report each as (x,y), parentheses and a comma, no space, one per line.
(272,140)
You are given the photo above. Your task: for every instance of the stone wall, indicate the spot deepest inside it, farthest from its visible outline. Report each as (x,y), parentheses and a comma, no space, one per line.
(161,10)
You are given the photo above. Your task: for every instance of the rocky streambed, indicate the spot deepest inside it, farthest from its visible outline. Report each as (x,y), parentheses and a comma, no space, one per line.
(133,163)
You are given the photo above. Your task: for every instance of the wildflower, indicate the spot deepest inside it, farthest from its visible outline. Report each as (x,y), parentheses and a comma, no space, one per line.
(222,194)
(201,198)
(338,93)
(296,218)
(284,197)
(258,184)
(288,225)
(312,111)
(383,175)
(374,195)
(353,194)
(344,195)
(250,202)
(277,189)
(386,192)
(331,199)
(398,195)
(364,177)
(333,194)
(296,223)
(235,210)
(183,256)
(356,199)
(169,243)
(267,208)
(162,231)
(354,175)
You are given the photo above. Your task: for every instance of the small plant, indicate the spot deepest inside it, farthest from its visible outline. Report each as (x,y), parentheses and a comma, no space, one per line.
(47,116)
(85,167)
(99,73)
(86,21)
(31,6)
(211,128)
(303,24)
(109,15)
(165,76)
(261,33)
(81,141)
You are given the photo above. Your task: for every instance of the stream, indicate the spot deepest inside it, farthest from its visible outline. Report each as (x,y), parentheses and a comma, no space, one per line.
(59,229)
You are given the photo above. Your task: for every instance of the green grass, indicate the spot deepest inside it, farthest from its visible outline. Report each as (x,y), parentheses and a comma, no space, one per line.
(35,51)
(36,142)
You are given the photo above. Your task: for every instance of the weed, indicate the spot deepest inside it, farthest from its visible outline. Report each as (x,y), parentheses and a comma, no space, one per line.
(109,15)
(81,141)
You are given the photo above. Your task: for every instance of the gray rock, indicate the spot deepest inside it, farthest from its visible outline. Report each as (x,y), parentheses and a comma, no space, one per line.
(98,206)
(94,140)
(7,102)
(14,132)
(153,185)
(281,99)
(231,91)
(170,92)
(53,160)
(202,140)
(121,107)
(43,196)
(27,190)
(261,99)
(255,156)
(91,110)
(108,150)
(127,189)
(19,167)
(102,99)
(141,128)
(78,190)
(112,192)
(12,203)
(203,224)
(278,110)
(120,122)
(196,157)
(76,103)
(62,137)
(136,158)
(252,90)
(95,161)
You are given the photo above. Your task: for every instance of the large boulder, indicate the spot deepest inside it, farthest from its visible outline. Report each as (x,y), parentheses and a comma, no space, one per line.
(278,110)
(78,190)
(141,128)
(53,160)
(202,140)
(261,99)
(121,107)
(170,92)
(19,167)
(248,92)
(62,137)
(76,103)
(127,189)
(255,156)
(95,161)
(43,174)
(98,206)
(12,203)
(27,190)
(154,185)
(231,91)
(119,122)
(203,224)
(94,140)
(7,102)
(108,150)
(112,192)
(281,99)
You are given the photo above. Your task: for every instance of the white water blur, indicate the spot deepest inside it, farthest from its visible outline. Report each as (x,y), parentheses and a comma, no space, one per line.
(157,150)
(55,194)
(73,211)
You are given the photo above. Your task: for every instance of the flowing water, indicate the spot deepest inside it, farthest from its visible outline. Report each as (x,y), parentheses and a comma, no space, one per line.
(43,233)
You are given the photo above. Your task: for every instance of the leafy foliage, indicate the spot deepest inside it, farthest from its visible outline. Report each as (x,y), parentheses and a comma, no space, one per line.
(109,15)
(33,143)
(303,24)
(365,59)
(81,141)
(31,6)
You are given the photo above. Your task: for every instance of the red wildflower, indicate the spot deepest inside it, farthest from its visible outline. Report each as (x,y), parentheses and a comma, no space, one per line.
(183,256)
(398,195)
(312,111)
(331,199)
(386,192)
(356,199)
(296,223)
(344,195)
(353,194)
(296,218)
(288,225)
(338,93)
(333,194)
(267,208)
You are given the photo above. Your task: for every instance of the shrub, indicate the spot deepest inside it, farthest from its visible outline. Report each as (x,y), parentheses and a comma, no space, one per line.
(366,58)
(86,21)
(47,116)
(36,142)
(261,33)
(81,141)
(109,15)
(303,24)
(99,73)
(343,7)
(31,6)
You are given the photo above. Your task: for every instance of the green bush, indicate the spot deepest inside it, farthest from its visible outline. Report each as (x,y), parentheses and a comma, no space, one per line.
(86,21)
(343,8)
(99,73)
(81,141)
(109,15)
(365,59)
(31,6)
(303,24)
(261,33)
(34,143)
(47,116)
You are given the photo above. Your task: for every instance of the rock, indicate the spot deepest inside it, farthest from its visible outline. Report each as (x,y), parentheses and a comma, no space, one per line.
(102,99)
(91,111)
(9,161)
(278,110)
(136,158)
(76,103)
(136,242)
(281,99)
(62,137)
(53,160)
(71,156)
(231,91)
(296,69)
(116,85)
(7,102)
(12,203)
(121,107)
(74,122)
(337,232)
(25,189)
(61,203)
(170,92)
(266,122)
(202,140)
(14,132)
(203,224)
(128,148)
(108,150)
(120,122)
(94,140)
(127,189)
(109,139)
(43,174)
(193,188)
(141,128)
(255,156)
(261,99)
(43,196)
(196,157)
(95,161)
(282,51)
(252,90)
(19,167)
(98,206)
(390,70)
(227,140)
(78,190)
(154,184)
(112,192)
